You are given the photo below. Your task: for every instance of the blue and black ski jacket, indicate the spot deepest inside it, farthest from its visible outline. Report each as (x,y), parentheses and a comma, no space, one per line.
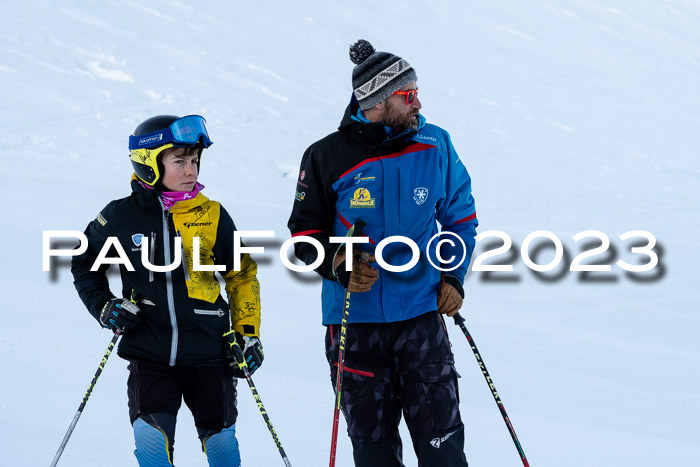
(400,185)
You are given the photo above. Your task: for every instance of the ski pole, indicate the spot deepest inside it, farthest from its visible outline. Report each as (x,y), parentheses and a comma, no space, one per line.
(459,320)
(110,347)
(355,231)
(243,365)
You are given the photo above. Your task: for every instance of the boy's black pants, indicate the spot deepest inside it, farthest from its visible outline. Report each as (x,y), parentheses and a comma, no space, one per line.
(208,391)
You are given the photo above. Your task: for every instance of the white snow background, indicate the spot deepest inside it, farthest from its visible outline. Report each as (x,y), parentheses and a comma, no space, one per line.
(570,115)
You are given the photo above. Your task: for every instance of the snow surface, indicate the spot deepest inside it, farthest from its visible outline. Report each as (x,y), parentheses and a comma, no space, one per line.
(571,115)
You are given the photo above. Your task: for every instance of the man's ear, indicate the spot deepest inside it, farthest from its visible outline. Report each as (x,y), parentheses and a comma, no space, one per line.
(379,106)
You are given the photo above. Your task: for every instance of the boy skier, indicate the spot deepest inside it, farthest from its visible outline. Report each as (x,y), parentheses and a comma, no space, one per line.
(173,319)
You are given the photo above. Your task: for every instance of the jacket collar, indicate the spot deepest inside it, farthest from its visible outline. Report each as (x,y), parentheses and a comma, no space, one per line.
(189,204)
(372,134)
(148,199)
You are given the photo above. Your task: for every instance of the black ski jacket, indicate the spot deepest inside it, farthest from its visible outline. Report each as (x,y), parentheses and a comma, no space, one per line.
(183,315)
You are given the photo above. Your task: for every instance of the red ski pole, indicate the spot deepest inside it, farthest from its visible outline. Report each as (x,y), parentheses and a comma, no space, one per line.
(355,231)
(460,322)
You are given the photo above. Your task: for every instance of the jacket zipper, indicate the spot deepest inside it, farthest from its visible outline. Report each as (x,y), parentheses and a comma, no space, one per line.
(184,257)
(152,255)
(224,381)
(218,312)
(169,286)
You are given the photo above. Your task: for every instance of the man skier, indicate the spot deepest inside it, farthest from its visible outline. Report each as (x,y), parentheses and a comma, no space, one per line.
(386,166)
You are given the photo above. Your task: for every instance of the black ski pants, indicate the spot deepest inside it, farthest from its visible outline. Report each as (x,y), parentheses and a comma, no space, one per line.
(405,367)
(209,392)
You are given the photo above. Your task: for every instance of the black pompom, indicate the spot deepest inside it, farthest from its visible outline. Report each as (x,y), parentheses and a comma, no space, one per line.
(360,51)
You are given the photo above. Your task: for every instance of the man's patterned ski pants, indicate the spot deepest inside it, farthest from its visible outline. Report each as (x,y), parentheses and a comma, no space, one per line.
(393,368)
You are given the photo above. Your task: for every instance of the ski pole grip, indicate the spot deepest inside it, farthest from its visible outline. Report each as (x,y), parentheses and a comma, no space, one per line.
(235,348)
(358,228)
(357,232)
(230,337)
(458,319)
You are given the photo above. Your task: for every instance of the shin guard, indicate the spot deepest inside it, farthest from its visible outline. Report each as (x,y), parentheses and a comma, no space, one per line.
(154,436)
(222,448)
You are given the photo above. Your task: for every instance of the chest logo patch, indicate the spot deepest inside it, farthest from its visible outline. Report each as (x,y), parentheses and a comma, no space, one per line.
(362,199)
(359,178)
(137,239)
(420,194)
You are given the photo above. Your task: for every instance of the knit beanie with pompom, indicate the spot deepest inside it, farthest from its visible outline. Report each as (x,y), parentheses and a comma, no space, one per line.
(377,75)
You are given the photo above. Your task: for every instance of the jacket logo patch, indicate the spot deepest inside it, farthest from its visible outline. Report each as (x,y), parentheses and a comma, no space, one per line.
(420,194)
(359,178)
(300,195)
(101,220)
(137,239)
(429,138)
(362,199)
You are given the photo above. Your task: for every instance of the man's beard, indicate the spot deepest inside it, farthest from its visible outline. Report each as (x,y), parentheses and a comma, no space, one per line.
(398,121)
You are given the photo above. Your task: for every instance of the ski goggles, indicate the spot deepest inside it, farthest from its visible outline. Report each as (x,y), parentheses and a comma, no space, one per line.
(410,95)
(187,131)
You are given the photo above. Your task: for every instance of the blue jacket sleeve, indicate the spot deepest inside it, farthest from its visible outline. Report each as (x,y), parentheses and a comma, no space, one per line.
(456,213)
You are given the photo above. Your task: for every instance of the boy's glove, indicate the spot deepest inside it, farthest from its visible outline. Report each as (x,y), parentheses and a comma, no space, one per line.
(249,349)
(120,314)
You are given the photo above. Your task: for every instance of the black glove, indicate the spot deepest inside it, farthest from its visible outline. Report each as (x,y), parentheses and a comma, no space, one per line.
(252,351)
(120,314)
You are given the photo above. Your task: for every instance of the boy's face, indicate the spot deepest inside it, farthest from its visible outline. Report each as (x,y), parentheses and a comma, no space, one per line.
(180,168)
